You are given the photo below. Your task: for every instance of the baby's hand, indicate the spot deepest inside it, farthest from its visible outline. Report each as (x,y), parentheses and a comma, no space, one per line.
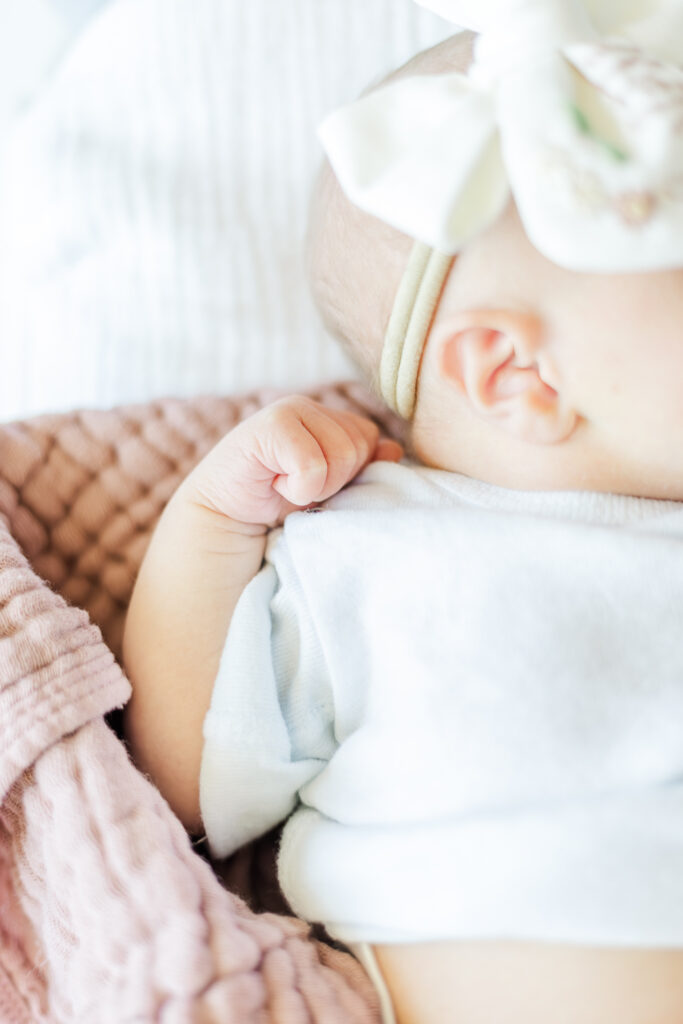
(289,455)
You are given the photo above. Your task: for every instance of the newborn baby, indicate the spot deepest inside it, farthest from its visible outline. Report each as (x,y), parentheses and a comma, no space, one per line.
(463,675)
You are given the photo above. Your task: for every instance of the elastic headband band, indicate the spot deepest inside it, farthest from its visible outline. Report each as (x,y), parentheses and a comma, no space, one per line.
(414,308)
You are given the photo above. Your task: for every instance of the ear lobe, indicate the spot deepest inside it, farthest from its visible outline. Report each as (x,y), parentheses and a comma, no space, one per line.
(497,359)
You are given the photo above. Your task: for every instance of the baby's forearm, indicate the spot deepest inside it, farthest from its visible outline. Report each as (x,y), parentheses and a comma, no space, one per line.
(195,569)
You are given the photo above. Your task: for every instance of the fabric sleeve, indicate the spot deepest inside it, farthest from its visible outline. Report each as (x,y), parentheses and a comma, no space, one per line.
(268,730)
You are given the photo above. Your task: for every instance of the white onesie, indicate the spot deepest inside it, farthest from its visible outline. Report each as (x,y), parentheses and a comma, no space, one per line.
(471,699)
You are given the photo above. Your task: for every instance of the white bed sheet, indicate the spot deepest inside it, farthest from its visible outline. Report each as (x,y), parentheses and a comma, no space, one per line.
(153,201)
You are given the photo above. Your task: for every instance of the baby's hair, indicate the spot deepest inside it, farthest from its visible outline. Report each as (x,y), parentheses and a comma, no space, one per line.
(355,261)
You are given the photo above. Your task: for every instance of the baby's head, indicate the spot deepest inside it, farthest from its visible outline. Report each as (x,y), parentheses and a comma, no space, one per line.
(532,375)
(355,260)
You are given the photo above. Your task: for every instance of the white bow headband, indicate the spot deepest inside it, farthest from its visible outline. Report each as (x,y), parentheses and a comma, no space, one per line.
(575,108)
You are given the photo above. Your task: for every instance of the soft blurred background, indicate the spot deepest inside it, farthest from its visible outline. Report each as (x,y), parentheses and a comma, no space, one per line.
(156,158)
(32,35)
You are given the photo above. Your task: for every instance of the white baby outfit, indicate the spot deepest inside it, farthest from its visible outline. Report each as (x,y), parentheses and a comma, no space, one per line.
(472,700)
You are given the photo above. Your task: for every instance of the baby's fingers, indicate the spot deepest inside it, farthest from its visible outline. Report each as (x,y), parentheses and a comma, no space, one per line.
(388,450)
(326,450)
(349,442)
(304,471)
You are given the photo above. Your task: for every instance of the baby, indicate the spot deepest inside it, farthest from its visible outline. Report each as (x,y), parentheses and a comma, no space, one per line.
(462,679)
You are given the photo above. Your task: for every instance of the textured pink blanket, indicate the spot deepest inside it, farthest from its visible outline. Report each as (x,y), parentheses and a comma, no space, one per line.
(106,912)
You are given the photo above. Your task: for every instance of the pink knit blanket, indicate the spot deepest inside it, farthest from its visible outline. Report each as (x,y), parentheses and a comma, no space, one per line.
(107,914)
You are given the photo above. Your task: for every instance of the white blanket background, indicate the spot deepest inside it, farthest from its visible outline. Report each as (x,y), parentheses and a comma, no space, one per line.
(153,201)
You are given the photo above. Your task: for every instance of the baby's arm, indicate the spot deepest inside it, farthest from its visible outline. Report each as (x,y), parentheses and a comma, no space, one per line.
(208,545)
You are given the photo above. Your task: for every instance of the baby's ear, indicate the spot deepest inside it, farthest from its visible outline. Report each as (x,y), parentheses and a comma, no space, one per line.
(496,357)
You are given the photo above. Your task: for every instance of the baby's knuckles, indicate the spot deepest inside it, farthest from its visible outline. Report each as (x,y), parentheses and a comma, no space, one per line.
(343,438)
(282,420)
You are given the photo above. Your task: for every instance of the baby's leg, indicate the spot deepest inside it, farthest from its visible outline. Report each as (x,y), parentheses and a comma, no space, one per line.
(529,983)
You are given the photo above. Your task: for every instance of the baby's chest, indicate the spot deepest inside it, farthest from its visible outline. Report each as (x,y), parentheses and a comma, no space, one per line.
(471,669)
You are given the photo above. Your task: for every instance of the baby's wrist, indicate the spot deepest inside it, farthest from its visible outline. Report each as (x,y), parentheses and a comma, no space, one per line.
(192,504)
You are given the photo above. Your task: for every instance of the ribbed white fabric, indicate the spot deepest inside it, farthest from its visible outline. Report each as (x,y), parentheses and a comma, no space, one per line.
(153,202)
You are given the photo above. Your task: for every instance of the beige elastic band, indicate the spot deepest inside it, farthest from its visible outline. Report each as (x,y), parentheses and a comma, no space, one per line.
(366,954)
(414,308)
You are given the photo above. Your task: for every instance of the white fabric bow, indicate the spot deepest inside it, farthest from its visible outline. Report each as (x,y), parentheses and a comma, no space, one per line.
(576,108)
